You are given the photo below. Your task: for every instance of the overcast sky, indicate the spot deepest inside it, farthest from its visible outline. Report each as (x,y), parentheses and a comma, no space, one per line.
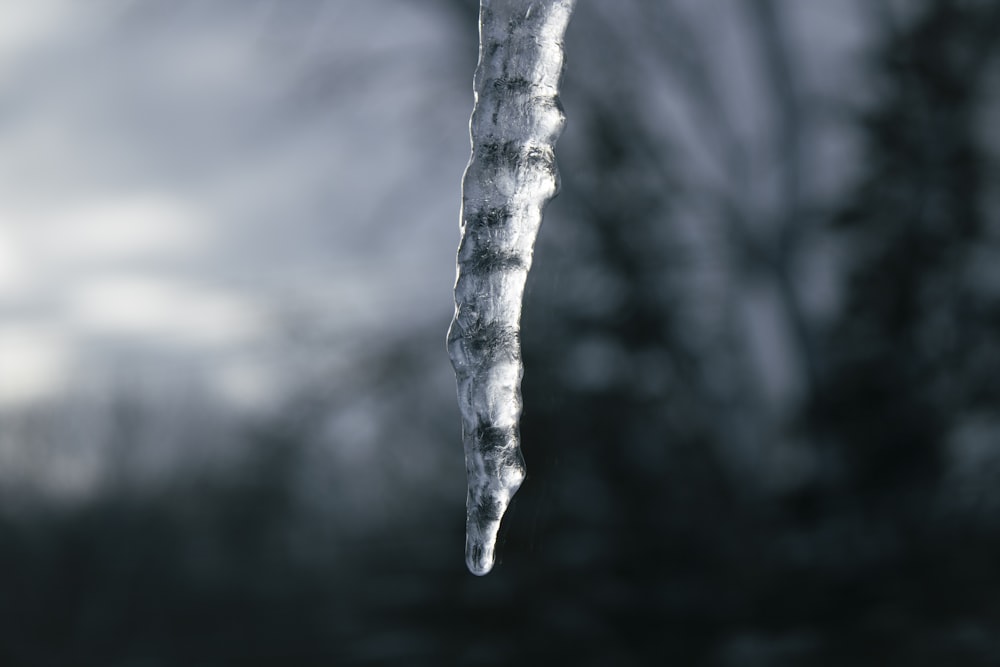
(176,178)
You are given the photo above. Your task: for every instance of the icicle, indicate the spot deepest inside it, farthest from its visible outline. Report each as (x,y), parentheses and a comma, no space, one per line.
(510,178)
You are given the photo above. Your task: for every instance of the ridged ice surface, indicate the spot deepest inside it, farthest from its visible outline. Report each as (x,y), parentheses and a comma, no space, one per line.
(510,178)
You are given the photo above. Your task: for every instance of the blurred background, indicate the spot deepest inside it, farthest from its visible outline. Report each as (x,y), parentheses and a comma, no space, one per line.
(761,338)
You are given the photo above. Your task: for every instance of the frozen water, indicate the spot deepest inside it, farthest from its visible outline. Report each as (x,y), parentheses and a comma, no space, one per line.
(510,178)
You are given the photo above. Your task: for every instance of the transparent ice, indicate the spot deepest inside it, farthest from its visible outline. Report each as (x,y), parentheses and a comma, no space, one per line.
(510,178)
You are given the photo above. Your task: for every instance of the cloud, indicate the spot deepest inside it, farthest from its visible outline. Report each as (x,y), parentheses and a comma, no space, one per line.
(34,362)
(161,309)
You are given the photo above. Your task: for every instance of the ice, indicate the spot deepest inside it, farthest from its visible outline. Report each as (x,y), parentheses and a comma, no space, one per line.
(510,178)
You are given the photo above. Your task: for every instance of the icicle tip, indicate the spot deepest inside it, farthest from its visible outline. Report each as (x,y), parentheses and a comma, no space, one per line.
(485,511)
